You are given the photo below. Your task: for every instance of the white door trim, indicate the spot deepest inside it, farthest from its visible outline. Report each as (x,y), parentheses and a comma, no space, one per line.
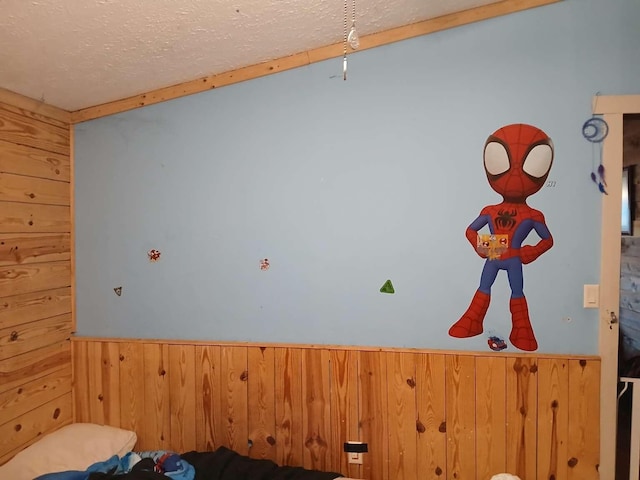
(613,108)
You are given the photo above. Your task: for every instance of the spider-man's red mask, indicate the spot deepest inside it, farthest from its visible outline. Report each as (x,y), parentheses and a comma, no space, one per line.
(517,159)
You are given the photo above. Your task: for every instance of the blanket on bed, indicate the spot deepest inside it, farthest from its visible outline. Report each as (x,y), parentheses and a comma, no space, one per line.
(225,464)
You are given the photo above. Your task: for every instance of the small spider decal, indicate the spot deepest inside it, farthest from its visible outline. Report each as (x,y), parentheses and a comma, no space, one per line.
(154,255)
(506,219)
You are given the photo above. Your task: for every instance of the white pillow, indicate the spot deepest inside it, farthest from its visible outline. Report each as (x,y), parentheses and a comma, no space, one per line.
(73,447)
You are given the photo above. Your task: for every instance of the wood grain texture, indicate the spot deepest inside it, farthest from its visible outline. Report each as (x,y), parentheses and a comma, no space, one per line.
(43,419)
(491,421)
(461,408)
(344,403)
(209,429)
(431,422)
(33,162)
(31,107)
(288,402)
(32,336)
(21,369)
(27,397)
(35,273)
(553,418)
(261,397)
(373,414)
(156,394)
(16,249)
(18,188)
(34,277)
(22,130)
(182,397)
(28,307)
(583,448)
(522,398)
(423,415)
(233,398)
(132,401)
(24,217)
(401,415)
(316,409)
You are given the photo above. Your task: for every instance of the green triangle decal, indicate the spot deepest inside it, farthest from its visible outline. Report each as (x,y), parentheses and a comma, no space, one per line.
(387,287)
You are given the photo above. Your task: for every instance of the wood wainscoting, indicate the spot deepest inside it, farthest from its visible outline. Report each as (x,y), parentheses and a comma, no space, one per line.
(423,414)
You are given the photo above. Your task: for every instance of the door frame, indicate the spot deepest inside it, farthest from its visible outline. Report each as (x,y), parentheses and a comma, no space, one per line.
(613,108)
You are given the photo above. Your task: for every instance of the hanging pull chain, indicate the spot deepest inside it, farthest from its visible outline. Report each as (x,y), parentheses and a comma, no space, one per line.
(345,39)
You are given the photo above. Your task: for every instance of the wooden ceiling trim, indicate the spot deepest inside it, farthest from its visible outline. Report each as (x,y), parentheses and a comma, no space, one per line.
(306,58)
(39,110)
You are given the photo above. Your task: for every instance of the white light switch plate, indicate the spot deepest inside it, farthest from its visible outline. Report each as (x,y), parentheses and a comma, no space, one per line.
(591,296)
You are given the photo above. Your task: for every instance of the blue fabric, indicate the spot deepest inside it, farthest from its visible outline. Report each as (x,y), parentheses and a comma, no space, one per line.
(105,466)
(170,464)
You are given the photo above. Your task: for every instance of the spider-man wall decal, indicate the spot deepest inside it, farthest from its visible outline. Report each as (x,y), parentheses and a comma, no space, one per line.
(517,161)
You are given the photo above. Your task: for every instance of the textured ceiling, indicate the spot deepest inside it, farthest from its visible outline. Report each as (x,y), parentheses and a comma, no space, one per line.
(79,53)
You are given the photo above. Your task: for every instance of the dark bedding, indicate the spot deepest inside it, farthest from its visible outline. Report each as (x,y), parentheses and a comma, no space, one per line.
(225,464)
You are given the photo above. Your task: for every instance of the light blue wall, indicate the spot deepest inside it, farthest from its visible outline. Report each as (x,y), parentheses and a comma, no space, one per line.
(343,185)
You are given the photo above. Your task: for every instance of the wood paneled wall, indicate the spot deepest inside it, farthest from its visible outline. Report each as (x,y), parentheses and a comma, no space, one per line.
(424,415)
(35,271)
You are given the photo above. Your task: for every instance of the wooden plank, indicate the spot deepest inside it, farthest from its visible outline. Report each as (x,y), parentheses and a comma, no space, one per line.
(80,355)
(18,188)
(157,416)
(344,409)
(31,336)
(25,217)
(45,418)
(19,309)
(29,106)
(583,447)
(233,398)
(95,394)
(21,369)
(305,58)
(15,128)
(431,422)
(132,400)
(491,420)
(34,277)
(461,408)
(553,411)
(289,406)
(209,429)
(401,415)
(110,381)
(182,397)
(261,402)
(522,394)
(316,409)
(20,400)
(23,248)
(373,414)
(33,162)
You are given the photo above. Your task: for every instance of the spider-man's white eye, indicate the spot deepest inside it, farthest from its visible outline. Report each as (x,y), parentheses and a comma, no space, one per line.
(496,158)
(538,161)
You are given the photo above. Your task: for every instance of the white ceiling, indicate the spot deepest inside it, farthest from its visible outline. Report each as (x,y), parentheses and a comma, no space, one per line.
(79,53)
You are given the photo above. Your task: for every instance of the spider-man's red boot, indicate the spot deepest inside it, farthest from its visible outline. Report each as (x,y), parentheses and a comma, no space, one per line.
(470,324)
(522,335)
